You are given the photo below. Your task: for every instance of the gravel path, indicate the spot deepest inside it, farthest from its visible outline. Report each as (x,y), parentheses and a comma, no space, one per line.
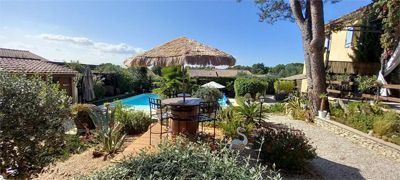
(339,158)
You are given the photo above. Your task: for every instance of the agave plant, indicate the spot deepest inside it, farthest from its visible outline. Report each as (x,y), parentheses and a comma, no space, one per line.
(109,132)
(250,111)
(296,107)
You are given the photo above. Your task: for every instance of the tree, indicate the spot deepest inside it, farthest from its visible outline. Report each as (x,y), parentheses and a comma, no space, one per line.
(259,68)
(75,65)
(32,113)
(309,16)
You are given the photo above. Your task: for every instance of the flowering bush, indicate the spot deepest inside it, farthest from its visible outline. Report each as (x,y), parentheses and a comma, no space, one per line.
(32,112)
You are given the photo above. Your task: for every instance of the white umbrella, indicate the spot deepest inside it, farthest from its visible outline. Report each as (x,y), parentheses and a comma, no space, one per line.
(213,84)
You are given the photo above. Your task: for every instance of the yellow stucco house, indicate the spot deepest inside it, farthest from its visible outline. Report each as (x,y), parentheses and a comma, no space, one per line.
(339,45)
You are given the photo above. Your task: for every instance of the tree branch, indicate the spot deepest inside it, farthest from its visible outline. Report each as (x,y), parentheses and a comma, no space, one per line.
(297,12)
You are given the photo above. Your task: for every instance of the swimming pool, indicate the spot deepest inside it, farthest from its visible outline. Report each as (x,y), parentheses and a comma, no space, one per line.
(142,101)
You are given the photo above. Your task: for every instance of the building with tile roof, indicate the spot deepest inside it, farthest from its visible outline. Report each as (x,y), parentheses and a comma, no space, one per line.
(25,62)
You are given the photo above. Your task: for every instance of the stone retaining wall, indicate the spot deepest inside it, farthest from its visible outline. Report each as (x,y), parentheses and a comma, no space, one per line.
(382,147)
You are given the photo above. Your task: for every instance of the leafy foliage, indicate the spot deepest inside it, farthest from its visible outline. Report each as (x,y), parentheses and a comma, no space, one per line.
(128,79)
(172,81)
(366,117)
(132,121)
(81,115)
(73,144)
(388,11)
(208,94)
(367,84)
(184,160)
(32,112)
(286,70)
(288,148)
(367,48)
(283,86)
(259,68)
(250,85)
(249,111)
(98,88)
(295,107)
(277,108)
(75,65)
(280,70)
(230,125)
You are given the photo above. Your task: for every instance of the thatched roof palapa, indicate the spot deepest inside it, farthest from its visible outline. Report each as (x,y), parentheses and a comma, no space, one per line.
(181,51)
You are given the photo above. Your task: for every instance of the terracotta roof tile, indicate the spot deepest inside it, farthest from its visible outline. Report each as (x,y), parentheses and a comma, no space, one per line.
(18,61)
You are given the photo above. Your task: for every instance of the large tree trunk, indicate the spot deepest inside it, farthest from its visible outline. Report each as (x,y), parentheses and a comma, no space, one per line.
(317,53)
(313,36)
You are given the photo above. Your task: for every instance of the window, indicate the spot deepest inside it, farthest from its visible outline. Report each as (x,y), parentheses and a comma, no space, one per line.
(349,37)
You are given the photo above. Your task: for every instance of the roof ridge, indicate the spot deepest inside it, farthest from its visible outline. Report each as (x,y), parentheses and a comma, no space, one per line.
(14,49)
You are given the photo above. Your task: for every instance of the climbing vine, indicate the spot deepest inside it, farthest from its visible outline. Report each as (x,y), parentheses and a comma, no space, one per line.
(389,12)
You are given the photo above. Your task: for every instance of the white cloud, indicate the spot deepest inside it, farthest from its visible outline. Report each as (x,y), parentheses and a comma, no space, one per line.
(74,40)
(58,47)
(121,48)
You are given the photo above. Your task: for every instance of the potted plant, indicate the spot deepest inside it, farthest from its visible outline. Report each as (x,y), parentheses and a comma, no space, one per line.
(324,100)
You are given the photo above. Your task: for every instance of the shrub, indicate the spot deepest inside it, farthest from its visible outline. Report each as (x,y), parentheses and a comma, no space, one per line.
(295,107)
(366,117)
(229,127)
(184,160)
(99,89)
(249,85)
(388,125)
(133,122)
(73,145)
(367,84)
(81,115)
(283,86)
(249,111)
(208,94)
(278,108)
(286,147)
(32,112)
(225,113)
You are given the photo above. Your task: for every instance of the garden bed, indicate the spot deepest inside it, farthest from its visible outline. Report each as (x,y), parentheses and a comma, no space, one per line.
(385,148)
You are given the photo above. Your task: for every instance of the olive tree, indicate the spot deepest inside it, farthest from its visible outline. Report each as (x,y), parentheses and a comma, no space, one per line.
(309,16)
(32,112)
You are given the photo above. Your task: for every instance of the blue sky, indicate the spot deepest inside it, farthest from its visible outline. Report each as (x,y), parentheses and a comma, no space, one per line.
(110,31)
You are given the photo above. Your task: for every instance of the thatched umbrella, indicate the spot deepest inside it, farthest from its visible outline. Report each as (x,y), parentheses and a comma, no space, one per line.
(180,52)
(87,85)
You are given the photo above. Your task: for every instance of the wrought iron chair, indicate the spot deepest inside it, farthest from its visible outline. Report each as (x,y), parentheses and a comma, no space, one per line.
(207,113)
(159,112)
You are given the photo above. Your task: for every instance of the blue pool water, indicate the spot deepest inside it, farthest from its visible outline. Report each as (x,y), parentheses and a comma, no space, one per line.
(142,101)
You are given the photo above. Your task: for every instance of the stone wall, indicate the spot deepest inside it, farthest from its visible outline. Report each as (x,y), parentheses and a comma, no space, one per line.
(382,147)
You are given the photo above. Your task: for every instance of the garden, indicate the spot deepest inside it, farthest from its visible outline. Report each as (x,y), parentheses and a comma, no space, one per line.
(35,110)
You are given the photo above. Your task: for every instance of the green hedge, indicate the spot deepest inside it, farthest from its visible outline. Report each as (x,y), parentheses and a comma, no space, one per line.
(253,86)
(284,86)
